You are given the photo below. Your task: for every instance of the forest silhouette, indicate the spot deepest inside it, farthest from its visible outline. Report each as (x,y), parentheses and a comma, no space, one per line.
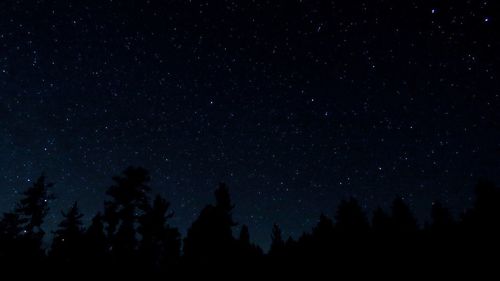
(133,237)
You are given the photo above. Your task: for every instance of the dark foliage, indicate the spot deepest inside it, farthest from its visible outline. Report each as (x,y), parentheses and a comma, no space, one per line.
(210,239)
(134,238)
(68,239)
(22,232)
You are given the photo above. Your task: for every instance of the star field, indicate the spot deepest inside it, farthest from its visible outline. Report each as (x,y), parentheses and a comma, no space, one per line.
(295,104)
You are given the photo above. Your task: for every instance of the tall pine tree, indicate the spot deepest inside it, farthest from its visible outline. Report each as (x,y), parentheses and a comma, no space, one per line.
(68,238)
(210,237)
(32,210)
(129,201)
(160,244)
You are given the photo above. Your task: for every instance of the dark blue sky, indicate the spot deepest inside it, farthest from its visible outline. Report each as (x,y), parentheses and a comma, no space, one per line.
(295,104)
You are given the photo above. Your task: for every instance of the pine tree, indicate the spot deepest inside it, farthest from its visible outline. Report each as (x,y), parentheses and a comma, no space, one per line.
(244,237)
(323,231)
(322,237)
(32,210)
(350,218)
(277,242)
(11,227)
(210,236)
(68,238)
(160,243)
(95,251)
(402,219)
(224,209)
(129,200)
(441,218)
(34,207)
(486,210)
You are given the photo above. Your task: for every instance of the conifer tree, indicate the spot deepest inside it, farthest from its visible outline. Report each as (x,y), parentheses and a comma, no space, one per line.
(68,238)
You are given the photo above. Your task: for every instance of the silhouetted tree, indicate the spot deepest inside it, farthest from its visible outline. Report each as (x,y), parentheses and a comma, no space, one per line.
(403,236)
(135,237)
(95,245)
(440,236)
(321,239)
(244,235)
(160,244)
(485,214)
(291,244)
(351,233)
(111,217)
(277,243)
(32,210)
(68,239)
(350,217)
(402,219)
(129,201)
(11,227)
(247,253)
(124,242)
(210,238)
(441,218)
(324,230)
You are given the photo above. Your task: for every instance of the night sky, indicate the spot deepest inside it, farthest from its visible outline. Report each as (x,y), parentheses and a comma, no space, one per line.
(294,104)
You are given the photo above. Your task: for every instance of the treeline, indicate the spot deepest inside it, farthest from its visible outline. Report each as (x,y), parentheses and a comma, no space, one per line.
(133,236)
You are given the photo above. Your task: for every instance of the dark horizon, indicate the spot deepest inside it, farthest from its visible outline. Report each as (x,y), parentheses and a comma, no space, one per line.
(422,219)
(134,237)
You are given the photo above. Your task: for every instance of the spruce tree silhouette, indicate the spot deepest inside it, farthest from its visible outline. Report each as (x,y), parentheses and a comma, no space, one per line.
(298,248)
(351,234)
(95,246)
(324,230)
(442,221)
(481,227)
(244,235)
(246,252)
(440,237)
(209,240)
(129,201)
(403,237)
(318,246)
(32,210)
(280,254)
(67,244)
(160,244)
(11,227)
(402,219)
(483,217)
(350,218)
(277,248)
(124,242)
(134,237)
(322,236)
(383,235)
